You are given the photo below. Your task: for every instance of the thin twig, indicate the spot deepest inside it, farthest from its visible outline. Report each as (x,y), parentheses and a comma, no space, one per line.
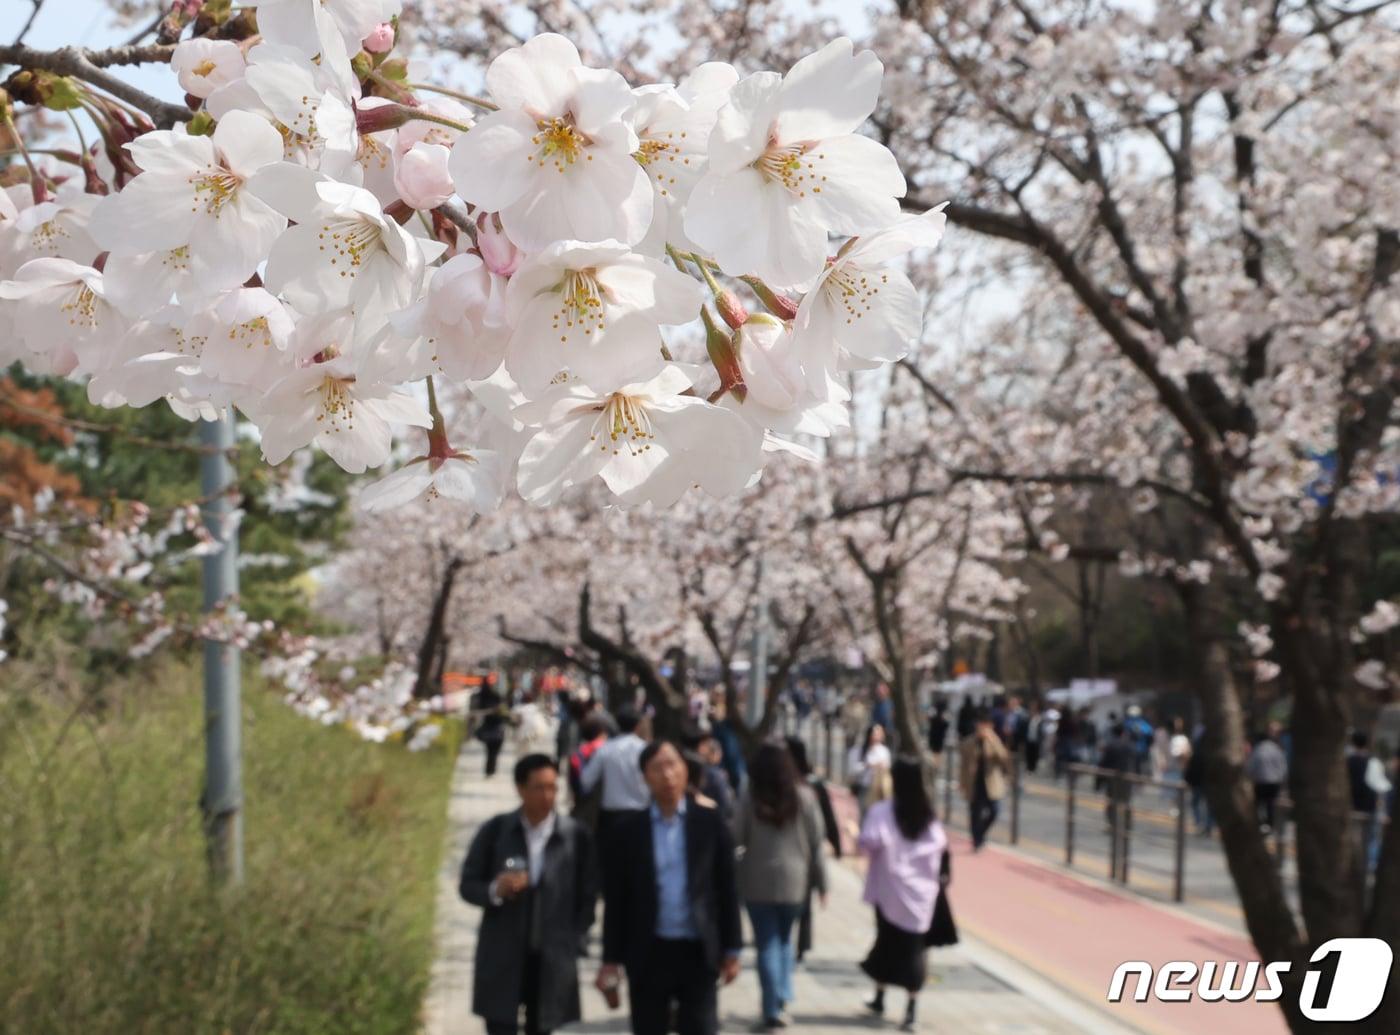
(29,23)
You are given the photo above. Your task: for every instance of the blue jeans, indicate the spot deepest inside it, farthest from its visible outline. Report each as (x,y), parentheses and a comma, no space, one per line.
(772,937)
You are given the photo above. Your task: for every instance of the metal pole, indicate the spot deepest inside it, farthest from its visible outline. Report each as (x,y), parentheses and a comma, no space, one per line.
(222,801)
(1069,820)
(1015,797)
(758,667)
(830,770)
(948,771)
(1127,828)
(1179,885)
(1114,825)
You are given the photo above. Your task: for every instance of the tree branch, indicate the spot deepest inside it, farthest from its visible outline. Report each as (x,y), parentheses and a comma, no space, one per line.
(89,65)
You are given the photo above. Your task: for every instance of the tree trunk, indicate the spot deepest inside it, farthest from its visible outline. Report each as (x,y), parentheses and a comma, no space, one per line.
(1268,916)
(428,652)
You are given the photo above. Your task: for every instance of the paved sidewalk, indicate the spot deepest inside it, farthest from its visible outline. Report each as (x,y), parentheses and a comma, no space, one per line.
(974,989)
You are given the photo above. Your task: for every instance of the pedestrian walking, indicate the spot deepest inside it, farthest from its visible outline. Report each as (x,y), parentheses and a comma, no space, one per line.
(868,766)
(1369,788)
(493,716)
(1267,768)
(1194,775)
(714,781)
(907,850)
(593,734)
(882,711)
(985,766)
(938,732)
(614,768)
(534,730)
(531,872)
(671,917)
(967,718)
(830,828)
(1035,736)
(778,832)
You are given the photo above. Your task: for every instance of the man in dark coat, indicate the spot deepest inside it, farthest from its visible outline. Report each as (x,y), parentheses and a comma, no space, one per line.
(672,905)
(532,872)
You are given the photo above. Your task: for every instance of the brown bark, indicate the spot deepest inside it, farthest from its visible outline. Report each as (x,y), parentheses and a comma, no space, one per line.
(433,636)
(1268,916)
(668,704)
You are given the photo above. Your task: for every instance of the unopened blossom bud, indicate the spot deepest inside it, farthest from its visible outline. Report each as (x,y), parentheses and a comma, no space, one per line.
(214,14)
(421,177)
(381,117)
(731,309)
(181,13)
(775,302)
(498,251)
(362,64)
(45,89)
(381,39)
(201,124)
(395,69)
(7,107)
(719,343)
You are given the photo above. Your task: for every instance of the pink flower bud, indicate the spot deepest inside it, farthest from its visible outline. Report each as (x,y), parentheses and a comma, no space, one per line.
(421,177)
(498,251)
(731,309)
(380,40)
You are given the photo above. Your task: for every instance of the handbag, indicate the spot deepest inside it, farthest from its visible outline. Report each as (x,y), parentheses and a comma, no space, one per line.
(942,931)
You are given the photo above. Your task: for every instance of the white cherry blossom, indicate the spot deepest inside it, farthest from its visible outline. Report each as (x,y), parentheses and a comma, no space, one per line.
(343,250)
(458,328)
(673,125)
(191,208)
(475,478)
(648,441)
(596,310)
(60,311)
(859,306)
(786,166)
(327,403)
(205,65)
(556,160)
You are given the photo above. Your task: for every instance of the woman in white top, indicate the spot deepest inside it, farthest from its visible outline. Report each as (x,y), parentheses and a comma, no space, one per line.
(868,766)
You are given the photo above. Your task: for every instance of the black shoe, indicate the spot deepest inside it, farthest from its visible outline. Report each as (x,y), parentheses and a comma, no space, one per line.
(908,1024)
(876,1004)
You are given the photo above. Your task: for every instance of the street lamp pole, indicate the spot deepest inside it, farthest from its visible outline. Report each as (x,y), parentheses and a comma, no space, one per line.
(222,800)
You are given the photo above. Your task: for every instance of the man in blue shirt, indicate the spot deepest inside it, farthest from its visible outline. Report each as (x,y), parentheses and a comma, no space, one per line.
(671,905)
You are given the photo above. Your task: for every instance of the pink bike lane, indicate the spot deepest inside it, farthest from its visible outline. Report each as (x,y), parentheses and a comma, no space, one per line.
(1075,933)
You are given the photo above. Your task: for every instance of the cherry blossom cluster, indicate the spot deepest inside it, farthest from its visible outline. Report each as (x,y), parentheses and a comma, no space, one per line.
(376,709)
(636,283)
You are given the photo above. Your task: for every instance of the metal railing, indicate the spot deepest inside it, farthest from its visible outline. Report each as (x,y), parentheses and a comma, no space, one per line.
(1119,788)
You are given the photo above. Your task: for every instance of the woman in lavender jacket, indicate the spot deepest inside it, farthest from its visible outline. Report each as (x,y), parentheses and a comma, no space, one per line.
(904,843)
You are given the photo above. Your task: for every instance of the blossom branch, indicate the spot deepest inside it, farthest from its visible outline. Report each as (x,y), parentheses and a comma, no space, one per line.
(90,66)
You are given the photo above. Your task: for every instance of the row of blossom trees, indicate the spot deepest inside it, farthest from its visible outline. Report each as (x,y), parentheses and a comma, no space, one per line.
(1180,238)
(1177,244)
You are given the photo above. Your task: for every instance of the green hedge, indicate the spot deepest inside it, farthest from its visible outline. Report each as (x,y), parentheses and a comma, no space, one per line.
(107,920)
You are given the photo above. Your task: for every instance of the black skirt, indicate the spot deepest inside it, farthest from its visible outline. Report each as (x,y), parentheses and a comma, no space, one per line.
(898,957)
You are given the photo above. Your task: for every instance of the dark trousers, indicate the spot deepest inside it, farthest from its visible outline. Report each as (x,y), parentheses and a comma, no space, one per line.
(1266,803)
(1032,755)
(529,997)
(608,822)
(982,814)
(674,976)
(493,753)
